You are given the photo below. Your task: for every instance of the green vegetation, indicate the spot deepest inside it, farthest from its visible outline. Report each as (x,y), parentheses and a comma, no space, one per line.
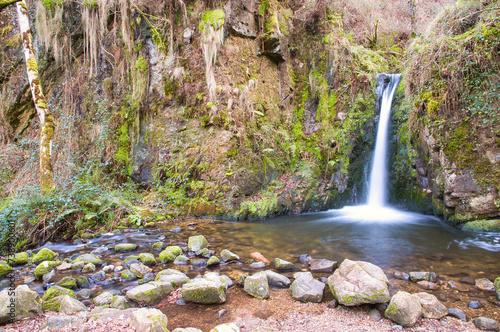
(214,18)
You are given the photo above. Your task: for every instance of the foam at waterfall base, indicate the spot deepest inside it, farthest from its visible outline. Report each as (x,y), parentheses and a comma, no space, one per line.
(370,213)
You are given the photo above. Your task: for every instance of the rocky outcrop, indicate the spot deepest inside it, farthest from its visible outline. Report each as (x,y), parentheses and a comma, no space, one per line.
(357,282)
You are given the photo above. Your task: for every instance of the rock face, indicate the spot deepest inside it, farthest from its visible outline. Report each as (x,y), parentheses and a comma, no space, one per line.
(404,309)
(307,289)
(27,304)
(204,291)
(431,307)
(152,320)
(357,282)
(150,293)
(257,286)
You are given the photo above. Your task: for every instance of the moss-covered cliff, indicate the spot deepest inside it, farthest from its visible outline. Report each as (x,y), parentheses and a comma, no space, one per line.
(242,110)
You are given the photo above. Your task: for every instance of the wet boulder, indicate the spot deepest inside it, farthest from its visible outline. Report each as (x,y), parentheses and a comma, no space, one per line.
(170,253)
(257,286)
(147,259)
(358,282)
(88,258)
(282,265)
(148,320)
(204,291)
(150,293)
(123,247)
(277,280)
(404,309)
(196,243)
(44,254)
(181,260)
(27,304)
(20,258)
(227,256)
(431,306)
(307,289)
(69,305)
(176,278)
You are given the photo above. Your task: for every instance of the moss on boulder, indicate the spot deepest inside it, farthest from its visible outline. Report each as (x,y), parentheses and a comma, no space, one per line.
(88,258)
(44,254)
(45,267)
(4,269)
(20,258)
(483,226)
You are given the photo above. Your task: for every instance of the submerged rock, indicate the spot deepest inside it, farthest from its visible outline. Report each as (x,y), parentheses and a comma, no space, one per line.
(402,275)
(404,309)
(181,260)
(307,289)
(475,305)
(257,286)
(428,285)
(358,282)
(427,276)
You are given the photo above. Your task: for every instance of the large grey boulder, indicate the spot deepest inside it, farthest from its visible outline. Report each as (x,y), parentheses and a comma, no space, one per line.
(404,309)
(27,304)
(176,278)
(203,291)
(69,305)
(277,280)
(152,320)
(257,286)
(307,289)
(358,282)
(431,307)
(150,293)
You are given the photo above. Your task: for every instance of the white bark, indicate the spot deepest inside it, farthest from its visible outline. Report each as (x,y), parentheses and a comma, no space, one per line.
(46,120)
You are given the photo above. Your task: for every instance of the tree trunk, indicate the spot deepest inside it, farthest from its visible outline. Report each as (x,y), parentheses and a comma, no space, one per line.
(46,120)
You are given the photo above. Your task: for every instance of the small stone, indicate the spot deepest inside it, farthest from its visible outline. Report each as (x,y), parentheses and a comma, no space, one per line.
(181,260)
(67,282)
(486,324)
(88,268)
(467,280)
(485,284)
(455,285)
(186,35)
(222,313)
(228,256)
(427,285)
(176,230)
(475,305)
(47,277)
(260,258)
(159,246)
(402,275)
(322,265)
(304,259)
(277,280)
(282,265)
(457,313)
(419,276)
(213,261)
(98,277)
(332,304)
(139,270)
(128,276)
(257,265)
(374,315)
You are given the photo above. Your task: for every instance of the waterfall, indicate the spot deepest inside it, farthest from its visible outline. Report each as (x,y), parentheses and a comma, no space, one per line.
(378,176)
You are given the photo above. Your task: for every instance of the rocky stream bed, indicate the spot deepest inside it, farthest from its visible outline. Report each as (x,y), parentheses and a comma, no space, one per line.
(172,278)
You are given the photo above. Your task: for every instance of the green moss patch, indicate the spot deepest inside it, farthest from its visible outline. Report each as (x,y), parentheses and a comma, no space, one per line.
(483,226)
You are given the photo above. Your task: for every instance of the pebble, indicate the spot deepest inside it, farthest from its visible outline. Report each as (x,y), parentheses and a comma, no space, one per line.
(455,285)
(258,265)
(475,305)
(304,259)
(222,313)
(397,327)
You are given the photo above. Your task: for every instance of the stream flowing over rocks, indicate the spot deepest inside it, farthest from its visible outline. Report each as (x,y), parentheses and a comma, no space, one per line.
(162,294)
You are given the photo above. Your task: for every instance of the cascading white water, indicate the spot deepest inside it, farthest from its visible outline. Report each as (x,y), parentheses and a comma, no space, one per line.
(378,175)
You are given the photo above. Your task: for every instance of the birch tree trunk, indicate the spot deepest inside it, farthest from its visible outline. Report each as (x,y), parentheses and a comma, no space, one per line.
(46,120)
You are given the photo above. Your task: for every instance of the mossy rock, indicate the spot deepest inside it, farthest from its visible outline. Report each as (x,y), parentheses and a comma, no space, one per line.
(53,296)
(44,254)
(122,247)
(159,245)
(150,293)
(169,254)
(147,259)
(87,236)
(204,291)
(88,258)
(20,258)
(83,282)
(128,276)
(45,267)
(131,260)
(4,268)
(197,243)
(482,226)
(213,261)
(67,282)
